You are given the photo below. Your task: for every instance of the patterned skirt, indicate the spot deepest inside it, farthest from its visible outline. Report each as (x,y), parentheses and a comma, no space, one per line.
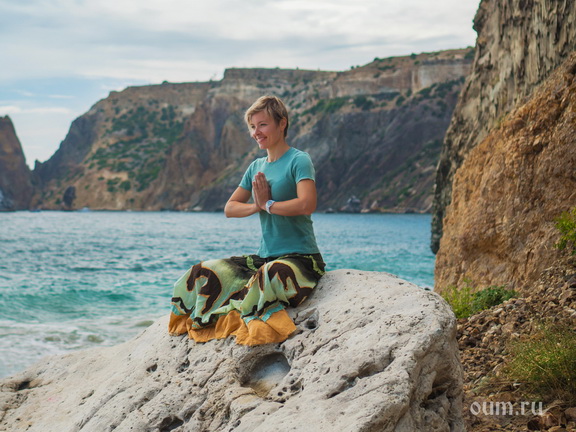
(243,296)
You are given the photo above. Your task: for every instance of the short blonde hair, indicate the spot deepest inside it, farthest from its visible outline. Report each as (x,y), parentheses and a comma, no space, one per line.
(273,106)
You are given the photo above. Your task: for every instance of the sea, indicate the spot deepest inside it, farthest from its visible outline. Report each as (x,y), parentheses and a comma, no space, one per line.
(76,280)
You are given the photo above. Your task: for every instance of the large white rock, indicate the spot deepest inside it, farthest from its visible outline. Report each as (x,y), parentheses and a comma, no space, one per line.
(371,353)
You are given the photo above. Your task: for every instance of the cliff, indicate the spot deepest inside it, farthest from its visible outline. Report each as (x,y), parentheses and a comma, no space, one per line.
(499,228)
(15,176)
(389,363)
(374,132)
(519,43)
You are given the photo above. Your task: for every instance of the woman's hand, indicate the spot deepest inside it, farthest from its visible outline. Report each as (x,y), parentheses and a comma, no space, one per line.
(261,190)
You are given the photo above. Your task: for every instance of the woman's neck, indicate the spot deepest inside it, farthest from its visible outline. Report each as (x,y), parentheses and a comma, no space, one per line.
(278,151)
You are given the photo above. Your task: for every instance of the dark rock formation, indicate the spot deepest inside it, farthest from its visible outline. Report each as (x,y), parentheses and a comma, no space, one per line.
(374,132)
(519,43)
(15,176)
(69,197)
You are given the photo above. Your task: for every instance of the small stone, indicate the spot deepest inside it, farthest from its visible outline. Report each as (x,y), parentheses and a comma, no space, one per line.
(570,414)
(533,424)
(548,420)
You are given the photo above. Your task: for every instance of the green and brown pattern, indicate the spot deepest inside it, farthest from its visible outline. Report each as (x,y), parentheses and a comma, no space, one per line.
(252,286)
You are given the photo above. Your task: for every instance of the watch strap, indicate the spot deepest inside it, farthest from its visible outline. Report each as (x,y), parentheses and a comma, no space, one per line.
(269,204)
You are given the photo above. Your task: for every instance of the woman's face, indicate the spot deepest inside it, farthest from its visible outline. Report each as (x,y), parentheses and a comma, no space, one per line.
(265,131)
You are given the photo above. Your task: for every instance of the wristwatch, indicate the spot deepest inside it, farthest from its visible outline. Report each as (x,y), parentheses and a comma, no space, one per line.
(269,204)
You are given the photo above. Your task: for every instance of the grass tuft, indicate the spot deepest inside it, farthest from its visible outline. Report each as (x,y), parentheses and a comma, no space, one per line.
(544,363)
(466,300)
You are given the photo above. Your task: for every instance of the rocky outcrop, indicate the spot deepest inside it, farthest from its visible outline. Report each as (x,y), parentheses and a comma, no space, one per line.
(499,228)
(374,132)
(519,43)
(15,176)
(371,353)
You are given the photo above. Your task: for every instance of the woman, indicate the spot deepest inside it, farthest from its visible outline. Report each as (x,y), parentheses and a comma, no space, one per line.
(245,296)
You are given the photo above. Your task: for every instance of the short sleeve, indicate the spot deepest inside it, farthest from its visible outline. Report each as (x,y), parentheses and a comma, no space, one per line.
(303,168)
(246,182)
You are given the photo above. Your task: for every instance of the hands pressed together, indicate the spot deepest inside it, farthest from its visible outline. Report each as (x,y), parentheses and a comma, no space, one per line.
(261,190)
(303,204)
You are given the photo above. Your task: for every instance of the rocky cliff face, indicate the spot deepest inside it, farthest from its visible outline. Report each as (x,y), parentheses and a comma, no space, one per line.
(499,228)
(15,176)
(374,132)
(520,42)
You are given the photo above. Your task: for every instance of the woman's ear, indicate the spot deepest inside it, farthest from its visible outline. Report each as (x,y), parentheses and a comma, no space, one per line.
(283,124)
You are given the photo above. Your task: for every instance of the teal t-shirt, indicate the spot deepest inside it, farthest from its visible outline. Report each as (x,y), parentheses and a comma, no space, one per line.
(283,235)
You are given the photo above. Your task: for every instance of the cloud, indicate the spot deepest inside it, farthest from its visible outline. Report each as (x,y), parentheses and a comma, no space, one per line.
(138,39)
(12,109)
(9,109)
(70,53)
(59,96)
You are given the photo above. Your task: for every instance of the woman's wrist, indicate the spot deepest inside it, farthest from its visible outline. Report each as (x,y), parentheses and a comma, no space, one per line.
(268,206)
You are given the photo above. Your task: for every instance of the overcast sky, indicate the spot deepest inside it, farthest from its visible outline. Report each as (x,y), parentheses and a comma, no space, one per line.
(59,57)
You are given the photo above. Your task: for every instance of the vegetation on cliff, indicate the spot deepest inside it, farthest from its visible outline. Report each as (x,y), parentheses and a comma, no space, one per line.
(566,225)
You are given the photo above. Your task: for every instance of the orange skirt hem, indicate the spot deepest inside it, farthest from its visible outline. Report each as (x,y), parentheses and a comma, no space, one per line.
(275,329)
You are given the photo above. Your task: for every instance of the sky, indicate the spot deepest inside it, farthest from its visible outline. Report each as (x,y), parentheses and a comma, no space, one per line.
(59,57)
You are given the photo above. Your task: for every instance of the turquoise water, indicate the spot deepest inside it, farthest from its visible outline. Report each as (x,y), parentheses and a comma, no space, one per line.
(71,280)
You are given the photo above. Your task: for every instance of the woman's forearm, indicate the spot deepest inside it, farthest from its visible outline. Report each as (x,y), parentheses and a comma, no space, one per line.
(303,204)
(237,209)
(293,207)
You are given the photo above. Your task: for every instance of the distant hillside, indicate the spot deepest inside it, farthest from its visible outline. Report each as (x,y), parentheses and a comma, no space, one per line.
(374,133)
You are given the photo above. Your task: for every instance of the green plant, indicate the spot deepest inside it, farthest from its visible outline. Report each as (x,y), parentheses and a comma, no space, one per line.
(386,67)
(327,106)
(111,184)
(125,186)
(491,296)
(566,224)
(544,363)
(467,300)
(459,299)
(361,101)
